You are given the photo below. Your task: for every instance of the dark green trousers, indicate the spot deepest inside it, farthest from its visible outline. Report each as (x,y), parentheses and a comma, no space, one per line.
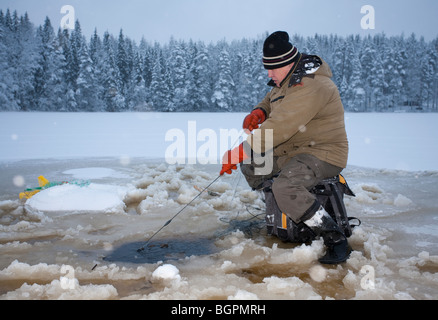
(292,183)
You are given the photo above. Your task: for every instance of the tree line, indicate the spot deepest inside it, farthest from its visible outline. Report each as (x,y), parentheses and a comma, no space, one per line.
(46,70)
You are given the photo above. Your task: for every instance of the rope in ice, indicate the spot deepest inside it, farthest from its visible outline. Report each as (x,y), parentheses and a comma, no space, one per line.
(196,197)
(168,222)
(244,225)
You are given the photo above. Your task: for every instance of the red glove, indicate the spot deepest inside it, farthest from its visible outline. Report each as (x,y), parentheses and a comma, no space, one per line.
(231,158)
(252,121)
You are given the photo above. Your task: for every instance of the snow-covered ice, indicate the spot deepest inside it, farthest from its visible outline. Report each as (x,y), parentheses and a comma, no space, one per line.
(80,241)
(74,198)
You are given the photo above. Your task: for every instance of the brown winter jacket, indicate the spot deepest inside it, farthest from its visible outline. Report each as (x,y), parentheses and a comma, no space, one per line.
(306,115)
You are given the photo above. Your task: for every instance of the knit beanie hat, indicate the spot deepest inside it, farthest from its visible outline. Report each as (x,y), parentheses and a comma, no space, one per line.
(278,51)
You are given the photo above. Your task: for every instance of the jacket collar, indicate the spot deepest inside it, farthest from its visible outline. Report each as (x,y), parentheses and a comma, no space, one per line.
(271,83)
(302,67)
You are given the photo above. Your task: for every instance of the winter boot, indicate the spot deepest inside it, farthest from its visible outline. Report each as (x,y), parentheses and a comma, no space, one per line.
(334,238)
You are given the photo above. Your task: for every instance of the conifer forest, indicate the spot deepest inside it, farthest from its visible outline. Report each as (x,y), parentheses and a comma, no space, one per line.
(47,69)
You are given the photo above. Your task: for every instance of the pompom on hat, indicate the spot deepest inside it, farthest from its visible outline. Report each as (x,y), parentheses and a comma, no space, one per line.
(278,51)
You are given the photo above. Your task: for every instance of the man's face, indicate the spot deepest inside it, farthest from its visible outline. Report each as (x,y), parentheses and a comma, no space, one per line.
(279,74)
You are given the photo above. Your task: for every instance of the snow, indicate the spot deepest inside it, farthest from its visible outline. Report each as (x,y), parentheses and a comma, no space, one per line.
(166,272)
(93,173)
(80,241)
(400,141)
(73,198)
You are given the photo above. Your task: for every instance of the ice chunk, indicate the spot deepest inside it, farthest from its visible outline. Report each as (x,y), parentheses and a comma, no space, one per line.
(74,198)
(55,290)
(318,273)
(166,272)
(243,295)
(19,270)
(290,288)
(402,201)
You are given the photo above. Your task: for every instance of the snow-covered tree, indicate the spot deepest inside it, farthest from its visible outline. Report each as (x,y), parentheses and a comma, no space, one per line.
(19,61)
(7,101)
(394,71)
(178,64)
(112,93)
(199,89)
(87,93)
(160,92)
(64,72)
(49,85)
(222,96)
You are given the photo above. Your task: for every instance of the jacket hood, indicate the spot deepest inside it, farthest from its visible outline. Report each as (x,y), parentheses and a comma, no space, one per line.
(324,70)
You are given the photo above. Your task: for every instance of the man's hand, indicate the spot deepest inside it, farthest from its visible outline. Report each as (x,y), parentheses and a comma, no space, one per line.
(232,158)
(252,121)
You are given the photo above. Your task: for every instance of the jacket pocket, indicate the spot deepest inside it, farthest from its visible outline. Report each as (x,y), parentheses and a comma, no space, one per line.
(277,99)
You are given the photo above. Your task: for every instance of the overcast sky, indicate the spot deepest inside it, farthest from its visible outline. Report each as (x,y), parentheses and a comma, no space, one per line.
(214,20)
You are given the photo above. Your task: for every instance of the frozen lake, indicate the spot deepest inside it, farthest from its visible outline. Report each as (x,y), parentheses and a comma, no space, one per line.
(401,141)
(217,248)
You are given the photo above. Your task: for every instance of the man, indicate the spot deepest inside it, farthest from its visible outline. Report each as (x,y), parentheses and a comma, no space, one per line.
(309,143)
